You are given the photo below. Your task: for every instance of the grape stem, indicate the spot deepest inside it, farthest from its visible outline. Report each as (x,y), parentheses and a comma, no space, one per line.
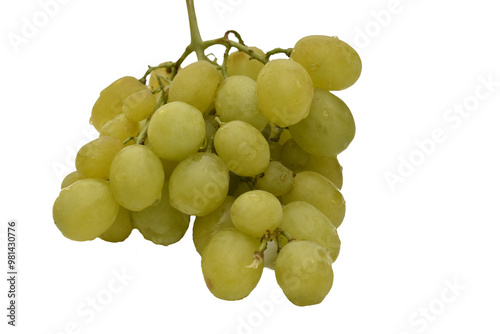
(198,46)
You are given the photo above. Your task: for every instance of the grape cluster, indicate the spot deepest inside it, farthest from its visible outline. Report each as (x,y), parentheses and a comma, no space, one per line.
(249,147)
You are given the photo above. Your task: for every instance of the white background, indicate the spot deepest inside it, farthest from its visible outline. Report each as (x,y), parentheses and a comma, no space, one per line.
(402,246)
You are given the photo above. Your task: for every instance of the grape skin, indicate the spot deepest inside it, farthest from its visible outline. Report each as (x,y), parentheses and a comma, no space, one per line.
(225,265)
(110,101)
(196,85)
(243,148)
(161,224)
(176,130)
(256,212)
(328,129)
(317,190)
(205,227)
(136,177)
(304,272)
(121,228)
(284,92)
(304,222)
(93,160)
(332,63)
(199,184)
(85,209)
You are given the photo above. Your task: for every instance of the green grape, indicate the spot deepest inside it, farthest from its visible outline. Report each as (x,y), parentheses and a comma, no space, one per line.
(242,147)
(199,184)
(256,212)
(110,101)
(277,179)
(93,160)
(293,156)
(120,127)
(121,228)
(317,190)
(176,130)
(329,167)
(285,135)
(284,91)
(70,179)
(225,264)
(196,85)
(236,99)
(205,227)
(304,222)
(328,129)
(153,78)
(239,63)
(332,63)
(161,223)
(275,151)
(136,177)
(85,210)
(139,105)
(168,168)
(304,272)
(242,187)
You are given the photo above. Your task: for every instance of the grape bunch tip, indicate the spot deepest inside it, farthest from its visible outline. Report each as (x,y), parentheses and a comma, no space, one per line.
(247,145)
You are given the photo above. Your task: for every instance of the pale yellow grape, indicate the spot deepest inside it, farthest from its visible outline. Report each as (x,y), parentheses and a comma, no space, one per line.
(176,130)
(168,168)
(85,210)
(317,190)
(196,85)
(205,227)
(304,222)
(304,272)
(293,156)
(332,63)
(110,101)
(328,129)
(93,160)
(70,179)
(285,135)
(275,151)
(236,99)
(120,127)
(199,184)
(329,167)
(139,105)
(256,212)
(121,228)
(161,224)
(242,188)
(284,91)
(225,264)
(239,63)
(136,177)
(242,147)
(277,179)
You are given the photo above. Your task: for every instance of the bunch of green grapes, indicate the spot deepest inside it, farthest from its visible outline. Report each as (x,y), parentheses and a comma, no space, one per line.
(246,148)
